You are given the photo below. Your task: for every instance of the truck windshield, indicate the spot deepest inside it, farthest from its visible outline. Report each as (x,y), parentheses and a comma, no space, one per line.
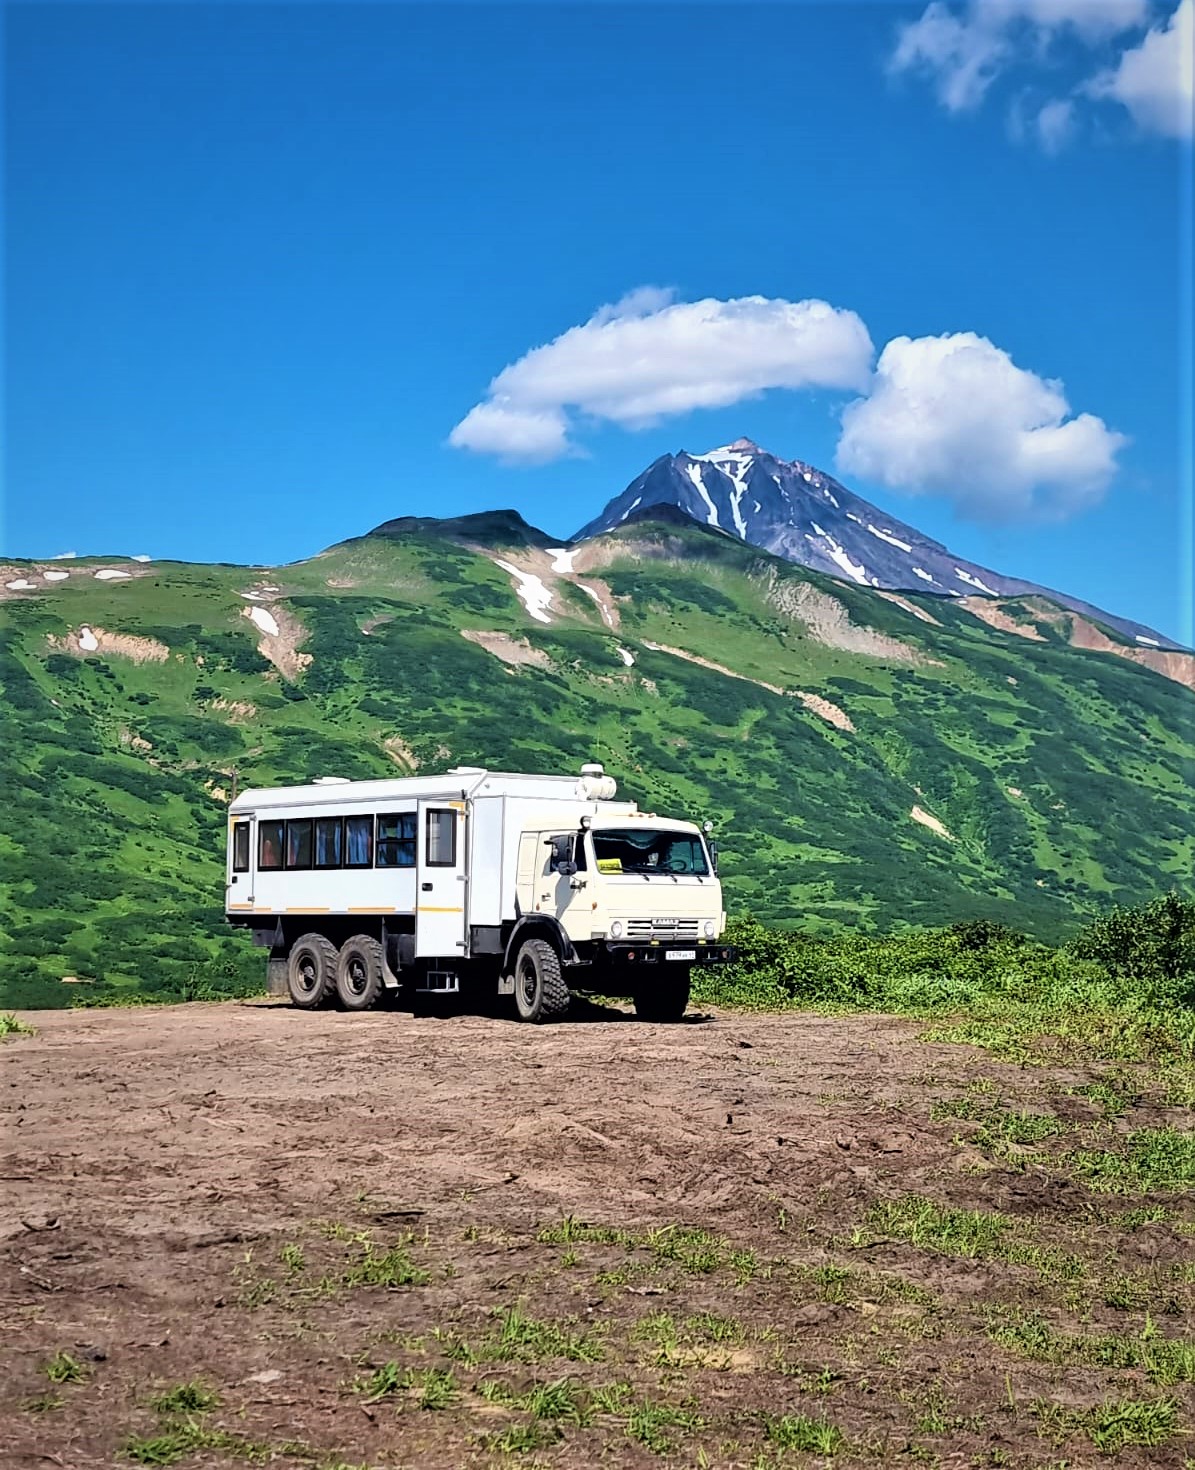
(635,850)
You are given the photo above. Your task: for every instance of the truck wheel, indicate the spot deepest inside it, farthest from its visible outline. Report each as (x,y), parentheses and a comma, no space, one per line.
(540,991)
(664,999)
(311,971)
(359,973)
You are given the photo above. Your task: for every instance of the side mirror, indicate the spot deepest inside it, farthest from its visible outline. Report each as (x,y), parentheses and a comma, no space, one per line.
(714,855)
(566,870)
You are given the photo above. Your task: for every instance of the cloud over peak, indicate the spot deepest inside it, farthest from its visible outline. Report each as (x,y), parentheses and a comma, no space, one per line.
(950,415)
(954,415)
(649,356)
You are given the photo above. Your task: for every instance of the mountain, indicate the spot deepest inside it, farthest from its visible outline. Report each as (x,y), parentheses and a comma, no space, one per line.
(796,511)
(870,758)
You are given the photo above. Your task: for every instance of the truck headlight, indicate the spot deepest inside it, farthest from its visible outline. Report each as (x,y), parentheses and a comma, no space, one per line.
(710,928)
(616,929)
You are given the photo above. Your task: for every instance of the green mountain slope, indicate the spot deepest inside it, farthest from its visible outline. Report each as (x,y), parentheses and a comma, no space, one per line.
(869,762)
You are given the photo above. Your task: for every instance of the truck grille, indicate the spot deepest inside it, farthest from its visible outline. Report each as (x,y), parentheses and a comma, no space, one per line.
(642,929)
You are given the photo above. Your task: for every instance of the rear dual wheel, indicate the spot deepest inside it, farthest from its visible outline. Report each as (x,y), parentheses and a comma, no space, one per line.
(317,972)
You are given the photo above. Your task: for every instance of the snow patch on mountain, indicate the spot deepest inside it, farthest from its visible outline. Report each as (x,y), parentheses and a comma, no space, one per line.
(694,473)
(530,591)
(889,537)
(562,560)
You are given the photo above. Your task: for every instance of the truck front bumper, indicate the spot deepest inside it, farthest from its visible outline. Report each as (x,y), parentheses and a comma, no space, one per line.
(620,952)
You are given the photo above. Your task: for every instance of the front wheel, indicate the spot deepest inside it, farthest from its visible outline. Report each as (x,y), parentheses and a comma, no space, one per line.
(665,998)
(359,973)
(540,991)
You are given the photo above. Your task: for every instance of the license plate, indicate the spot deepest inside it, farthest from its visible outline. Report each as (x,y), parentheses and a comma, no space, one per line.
(680,954)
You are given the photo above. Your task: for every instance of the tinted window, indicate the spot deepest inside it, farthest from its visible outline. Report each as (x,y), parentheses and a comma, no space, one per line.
(441,839)
(269,844)
(639,850)
(298,843)
(327,842)
(240,847)
(358,842)
(396,840)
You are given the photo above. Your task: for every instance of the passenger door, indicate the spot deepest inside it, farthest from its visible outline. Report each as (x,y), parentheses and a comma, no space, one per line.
(442,896)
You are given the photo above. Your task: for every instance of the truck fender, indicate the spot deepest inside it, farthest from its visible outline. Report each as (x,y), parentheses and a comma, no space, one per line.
(544,926)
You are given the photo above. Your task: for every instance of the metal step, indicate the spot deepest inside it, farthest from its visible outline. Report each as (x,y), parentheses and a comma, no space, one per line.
(439,982)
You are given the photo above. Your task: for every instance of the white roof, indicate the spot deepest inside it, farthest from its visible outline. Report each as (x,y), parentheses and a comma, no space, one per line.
(455,785)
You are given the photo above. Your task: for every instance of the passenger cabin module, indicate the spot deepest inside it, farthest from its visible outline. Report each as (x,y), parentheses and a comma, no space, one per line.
(532,885)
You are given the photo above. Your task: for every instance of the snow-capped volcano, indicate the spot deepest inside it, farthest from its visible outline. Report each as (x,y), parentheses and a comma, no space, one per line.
(796,511)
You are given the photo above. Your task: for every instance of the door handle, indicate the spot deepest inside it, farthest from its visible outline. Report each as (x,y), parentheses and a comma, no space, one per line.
(425,887)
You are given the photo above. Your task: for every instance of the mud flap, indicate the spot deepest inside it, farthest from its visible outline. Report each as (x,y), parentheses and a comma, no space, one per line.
(276,976)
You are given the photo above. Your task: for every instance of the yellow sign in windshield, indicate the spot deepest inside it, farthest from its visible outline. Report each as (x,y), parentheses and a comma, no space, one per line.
(609,865)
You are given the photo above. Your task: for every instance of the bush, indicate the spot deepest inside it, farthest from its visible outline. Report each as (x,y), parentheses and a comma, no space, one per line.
(1152,946)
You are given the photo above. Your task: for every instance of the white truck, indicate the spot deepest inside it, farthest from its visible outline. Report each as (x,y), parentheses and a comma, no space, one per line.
(524,885)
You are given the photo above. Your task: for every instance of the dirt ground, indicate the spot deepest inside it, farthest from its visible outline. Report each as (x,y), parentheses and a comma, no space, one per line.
(387,1240)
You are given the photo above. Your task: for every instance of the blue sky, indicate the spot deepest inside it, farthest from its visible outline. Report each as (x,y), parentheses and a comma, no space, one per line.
(263,260)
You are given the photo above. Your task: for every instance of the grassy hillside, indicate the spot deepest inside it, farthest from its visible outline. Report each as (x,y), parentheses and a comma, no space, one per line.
(1050,782)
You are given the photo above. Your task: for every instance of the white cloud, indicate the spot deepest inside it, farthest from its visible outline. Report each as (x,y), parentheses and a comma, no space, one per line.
(963,49)
(647,357)
(1055,125)
(954,415)
(1154,80)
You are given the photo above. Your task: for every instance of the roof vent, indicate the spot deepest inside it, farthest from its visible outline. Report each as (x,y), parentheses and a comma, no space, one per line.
(594,784)
(331,781)
(467,771)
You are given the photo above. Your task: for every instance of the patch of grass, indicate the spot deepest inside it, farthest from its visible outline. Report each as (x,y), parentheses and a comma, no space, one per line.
(799,1432)
(174,1444)
(186,1398)
(1134,1219)
(649,1424)
(390,1268)
(382,1383)
(524,1339)
(292,1257)
(63,1368)
(1163,1360)
(571,1231)
(523,1439)
(840,1284)
(11,1025)
(428,1388)
(1152,1159)
(43,1403)
(1112,1425)
(972,1233)
(1003,1134)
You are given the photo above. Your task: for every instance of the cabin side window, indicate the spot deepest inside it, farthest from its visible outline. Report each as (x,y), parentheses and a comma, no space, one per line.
(270,836)
(396,840)
(240,847)
(441,839)
(329,842)
(298,843)
(358,842)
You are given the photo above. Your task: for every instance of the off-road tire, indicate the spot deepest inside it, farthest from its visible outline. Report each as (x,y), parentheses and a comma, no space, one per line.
(359,982)
(664,999)
(540,991)
(311,971)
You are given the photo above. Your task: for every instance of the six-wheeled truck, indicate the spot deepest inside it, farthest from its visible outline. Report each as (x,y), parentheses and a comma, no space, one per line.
(524,885)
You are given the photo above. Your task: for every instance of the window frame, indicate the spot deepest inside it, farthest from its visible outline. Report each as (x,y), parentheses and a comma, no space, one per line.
(277,827)
(359,817)
(338,824)
(429,861)
(242,826)
(309,823)
(398,843)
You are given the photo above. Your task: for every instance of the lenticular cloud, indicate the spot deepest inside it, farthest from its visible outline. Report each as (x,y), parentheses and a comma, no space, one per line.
(648,357)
